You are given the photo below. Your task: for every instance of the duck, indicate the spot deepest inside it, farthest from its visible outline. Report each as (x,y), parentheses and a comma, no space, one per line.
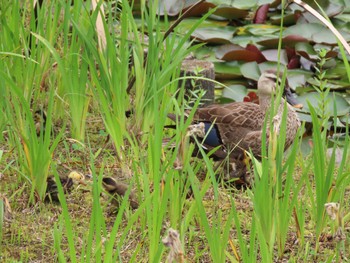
(118,190)
(231,130)
(39,122)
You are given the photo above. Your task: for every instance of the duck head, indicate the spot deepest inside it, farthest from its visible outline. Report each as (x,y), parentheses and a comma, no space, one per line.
(267,86)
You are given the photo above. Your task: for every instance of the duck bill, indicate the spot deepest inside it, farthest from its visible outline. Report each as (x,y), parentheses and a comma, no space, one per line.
(291,100)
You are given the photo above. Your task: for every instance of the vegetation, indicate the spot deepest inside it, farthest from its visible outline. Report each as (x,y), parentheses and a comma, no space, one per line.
(66,93)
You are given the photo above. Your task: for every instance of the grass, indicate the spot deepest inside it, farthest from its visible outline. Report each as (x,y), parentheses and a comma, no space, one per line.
(84,91)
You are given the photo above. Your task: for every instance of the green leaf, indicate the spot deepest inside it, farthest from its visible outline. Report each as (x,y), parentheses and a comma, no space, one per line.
(343,106)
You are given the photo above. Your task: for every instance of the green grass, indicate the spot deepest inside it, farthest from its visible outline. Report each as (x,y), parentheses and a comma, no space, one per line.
(84,91)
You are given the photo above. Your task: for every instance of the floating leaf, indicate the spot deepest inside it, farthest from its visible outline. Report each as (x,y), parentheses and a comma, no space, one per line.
(206,53)
(272,55)
(261,14)
(260,30)
(228,70)
(244,40)
(327,37)
(304,116)
(294,63)
(233,52)
(298,78)
(343,106)
(251,70)
(239,4)
(288,41)
(288,19)
(235,92)
(330,84)
(231,12)
(304,30)
(200,9)
(187,24)
(171,7)
(213,35)
(307,51)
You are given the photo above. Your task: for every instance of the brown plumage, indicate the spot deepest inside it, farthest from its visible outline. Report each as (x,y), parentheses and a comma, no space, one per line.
(118,191)
(238,127)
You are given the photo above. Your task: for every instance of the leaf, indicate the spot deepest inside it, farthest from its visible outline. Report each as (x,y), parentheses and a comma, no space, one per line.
(327,37)
(200,9)
(333,85)
(172,7)
(236,92)
(233,52)
(251,70)
(306,50)
(206,53)
(287,41)
(231,12)
(261,14)
(313,98)
(213,35)
(272,55)
(239,4)
(304,30)
(298,78)
(228,70)
(288,19)
(260,30)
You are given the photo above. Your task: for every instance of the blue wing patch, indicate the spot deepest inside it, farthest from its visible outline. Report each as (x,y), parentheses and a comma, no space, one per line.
(212,136)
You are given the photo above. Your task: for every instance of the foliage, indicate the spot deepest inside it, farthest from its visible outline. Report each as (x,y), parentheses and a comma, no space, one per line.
(57,66)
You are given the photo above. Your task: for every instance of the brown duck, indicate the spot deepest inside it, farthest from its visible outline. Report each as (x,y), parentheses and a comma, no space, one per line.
(237,127)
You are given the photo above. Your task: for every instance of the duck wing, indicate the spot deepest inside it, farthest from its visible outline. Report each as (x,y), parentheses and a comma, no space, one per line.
(239,125)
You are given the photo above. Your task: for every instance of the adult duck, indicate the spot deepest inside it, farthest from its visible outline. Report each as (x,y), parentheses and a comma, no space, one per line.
(237,127)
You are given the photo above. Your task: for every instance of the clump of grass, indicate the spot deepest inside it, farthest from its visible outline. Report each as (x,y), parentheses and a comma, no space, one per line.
(35,149)
(330,180)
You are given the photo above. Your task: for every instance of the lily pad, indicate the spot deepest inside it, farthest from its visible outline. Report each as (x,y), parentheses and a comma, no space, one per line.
(200,9)
(187,24)
(259,30)
(332,85)
(235,92)
(307,51)
(173,7)
(230,12)
(288,19)
(239,4)
(233,52)
(272,55)
(261,14)
(298,78)
(213,35)
(331,11)
(228,70)
(313,98)
(304,116)
(206,53)
(251,70)
(244,40)
(327,37)
(304,30)
(287,41)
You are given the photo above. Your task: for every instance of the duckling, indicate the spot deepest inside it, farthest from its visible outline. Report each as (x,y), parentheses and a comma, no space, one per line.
(40,122)
(118,190)
(52,191)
